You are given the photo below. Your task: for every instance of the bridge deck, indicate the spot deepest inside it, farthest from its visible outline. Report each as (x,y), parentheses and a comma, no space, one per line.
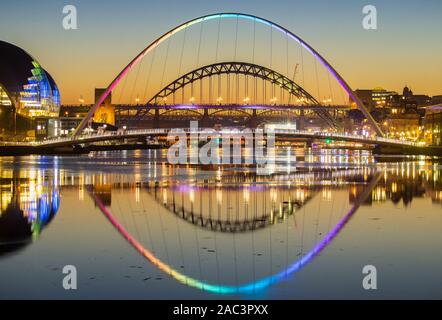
(235,106)
(108,136)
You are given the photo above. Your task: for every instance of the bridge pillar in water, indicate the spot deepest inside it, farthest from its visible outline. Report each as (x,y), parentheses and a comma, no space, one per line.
(253,122)
(301,121)
(156,119)
(205,121)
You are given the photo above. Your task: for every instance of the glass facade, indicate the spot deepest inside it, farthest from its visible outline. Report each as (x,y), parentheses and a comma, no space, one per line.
(38,98)
(4,99)
(30,89)
(380,96)
(433,127)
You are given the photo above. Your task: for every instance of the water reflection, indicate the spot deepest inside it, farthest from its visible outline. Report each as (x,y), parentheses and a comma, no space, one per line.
(222,230)
(247,286)
(244,203)
(27,206)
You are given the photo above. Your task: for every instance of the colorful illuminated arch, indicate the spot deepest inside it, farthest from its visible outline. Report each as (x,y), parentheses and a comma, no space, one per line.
(189,23)
(246,288)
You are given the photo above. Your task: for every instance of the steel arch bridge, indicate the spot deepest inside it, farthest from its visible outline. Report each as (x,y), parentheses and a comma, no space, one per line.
(227,223)
(246,69)
(252,115)
(238,16)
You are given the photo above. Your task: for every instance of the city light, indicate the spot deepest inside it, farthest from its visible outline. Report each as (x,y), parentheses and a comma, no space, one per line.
(221,156)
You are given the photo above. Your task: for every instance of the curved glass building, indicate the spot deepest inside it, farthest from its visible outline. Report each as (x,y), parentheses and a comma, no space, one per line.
(25,85)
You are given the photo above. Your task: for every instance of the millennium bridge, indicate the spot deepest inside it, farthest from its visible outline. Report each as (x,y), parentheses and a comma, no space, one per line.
(264,86)
(142,133)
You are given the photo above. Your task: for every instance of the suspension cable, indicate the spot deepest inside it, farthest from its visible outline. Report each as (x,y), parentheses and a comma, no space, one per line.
(136,81)
(253,60)
(146,85)
(165,63)
(181,62)
(122,90)
(330,88)
(287,60)
(302,67)
(317,81)
(199,45)
(216,60)
(236,38)
(271,61)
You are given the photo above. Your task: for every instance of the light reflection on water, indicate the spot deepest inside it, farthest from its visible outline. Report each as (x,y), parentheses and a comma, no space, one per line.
(210,228)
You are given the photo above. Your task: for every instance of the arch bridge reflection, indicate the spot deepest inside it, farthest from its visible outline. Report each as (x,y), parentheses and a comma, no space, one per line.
(246,202)
(239,202)
(209,260)
(233,208)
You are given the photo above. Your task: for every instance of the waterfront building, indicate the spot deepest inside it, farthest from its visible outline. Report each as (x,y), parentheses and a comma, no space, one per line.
(408,101)
(433,127)
(394,102)
(106,111)
(436,100)
(373,98)
(27,92)
(74,111)
(407,125)
(25,85)
(71,116)
(55,127)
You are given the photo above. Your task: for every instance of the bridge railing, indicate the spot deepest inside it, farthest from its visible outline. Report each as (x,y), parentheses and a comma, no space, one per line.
(347,136)
(141,132)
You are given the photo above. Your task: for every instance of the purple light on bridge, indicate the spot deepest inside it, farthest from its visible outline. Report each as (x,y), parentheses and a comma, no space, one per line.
(186,106)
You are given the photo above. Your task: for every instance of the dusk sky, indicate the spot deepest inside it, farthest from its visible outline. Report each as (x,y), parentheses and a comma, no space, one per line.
(406,48)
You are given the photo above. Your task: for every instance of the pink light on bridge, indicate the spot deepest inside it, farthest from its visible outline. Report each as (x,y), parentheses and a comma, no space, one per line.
(187,24)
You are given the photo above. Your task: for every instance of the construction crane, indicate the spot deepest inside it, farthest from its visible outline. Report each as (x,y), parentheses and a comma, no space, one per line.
(295,72)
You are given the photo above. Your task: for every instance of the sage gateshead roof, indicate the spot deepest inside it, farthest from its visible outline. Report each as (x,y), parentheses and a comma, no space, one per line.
(25,85)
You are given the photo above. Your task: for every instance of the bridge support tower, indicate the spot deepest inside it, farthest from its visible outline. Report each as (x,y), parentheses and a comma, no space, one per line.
(205,121)
(253,122)
(156,119)
(301,122)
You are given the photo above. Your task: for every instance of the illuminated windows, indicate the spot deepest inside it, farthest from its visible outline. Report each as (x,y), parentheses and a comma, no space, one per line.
(25,85)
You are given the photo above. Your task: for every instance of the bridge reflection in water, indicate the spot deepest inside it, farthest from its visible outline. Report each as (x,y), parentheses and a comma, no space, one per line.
(213,235)
(232,208)
(226,231)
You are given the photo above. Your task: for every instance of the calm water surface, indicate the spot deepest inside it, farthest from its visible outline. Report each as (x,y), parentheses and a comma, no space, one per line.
(136,227)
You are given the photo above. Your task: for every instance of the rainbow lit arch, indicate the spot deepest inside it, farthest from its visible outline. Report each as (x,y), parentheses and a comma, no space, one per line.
(269,23)
(250,287)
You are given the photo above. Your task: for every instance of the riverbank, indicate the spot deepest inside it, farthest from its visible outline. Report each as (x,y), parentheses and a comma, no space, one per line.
(6,151)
